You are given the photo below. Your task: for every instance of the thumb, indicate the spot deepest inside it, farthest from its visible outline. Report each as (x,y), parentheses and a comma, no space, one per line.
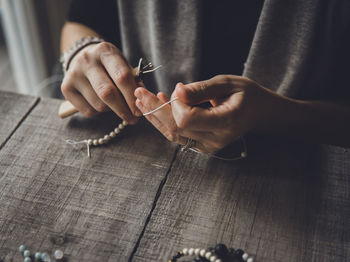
(203,91)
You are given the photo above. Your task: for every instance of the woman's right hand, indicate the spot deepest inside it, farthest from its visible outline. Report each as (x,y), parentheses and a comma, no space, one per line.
(100,79)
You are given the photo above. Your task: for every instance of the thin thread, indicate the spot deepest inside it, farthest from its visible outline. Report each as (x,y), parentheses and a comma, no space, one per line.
(139,67)
(72,142)
(159,107)
(151,70)
(244,153)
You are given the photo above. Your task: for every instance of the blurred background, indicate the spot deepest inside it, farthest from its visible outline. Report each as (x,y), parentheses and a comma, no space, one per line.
(29,46)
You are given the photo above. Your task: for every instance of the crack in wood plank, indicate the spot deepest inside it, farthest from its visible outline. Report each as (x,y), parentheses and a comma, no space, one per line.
(30,109)
(156,198)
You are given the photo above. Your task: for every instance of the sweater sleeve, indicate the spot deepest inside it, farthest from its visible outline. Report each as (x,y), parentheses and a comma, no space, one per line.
(100,16)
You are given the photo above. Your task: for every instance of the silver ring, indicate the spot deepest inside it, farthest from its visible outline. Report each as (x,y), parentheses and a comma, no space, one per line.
(189,144)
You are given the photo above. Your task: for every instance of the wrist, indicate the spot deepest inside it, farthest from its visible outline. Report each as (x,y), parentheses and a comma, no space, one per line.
(278,113)
(66,57)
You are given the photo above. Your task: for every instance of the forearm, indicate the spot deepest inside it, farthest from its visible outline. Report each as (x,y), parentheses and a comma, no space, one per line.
(311,121)
(72,32)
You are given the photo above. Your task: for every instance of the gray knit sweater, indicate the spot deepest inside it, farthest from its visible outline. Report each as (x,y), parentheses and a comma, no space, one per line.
(300,48)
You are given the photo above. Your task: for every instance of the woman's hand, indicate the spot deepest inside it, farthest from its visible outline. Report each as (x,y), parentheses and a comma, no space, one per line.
(238,105)
(99,79)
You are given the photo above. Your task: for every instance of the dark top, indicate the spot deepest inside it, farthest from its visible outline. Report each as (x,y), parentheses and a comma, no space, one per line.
(223,51)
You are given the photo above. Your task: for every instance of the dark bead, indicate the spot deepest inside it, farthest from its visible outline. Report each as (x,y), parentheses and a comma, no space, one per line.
(238,253)
(203,259)
(200,259)
(231,250)
(221,250)
(179,254)
(211,249)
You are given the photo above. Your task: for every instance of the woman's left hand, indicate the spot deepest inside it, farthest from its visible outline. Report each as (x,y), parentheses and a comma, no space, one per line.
(238,104)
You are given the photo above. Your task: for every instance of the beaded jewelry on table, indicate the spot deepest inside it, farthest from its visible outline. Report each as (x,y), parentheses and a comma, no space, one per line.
(218,254)
(28,256)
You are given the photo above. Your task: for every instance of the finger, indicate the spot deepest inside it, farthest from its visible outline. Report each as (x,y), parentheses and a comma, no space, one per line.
(109,94)
(151,102)
(122,76)
(179,138)
(80,103)
(199,92)
(162,119)
(165,128)
(86,90)
(71,94)
(199,119)
(162,97)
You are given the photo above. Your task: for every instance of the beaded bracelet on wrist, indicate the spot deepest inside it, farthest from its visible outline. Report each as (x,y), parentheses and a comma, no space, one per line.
(67,56)
(218,254)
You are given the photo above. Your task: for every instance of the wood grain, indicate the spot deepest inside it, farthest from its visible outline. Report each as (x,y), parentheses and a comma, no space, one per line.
(139,199)
(13,109)
(285,202)
(50,190)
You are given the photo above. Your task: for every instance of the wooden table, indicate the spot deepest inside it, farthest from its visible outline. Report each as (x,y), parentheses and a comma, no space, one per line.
(141,199)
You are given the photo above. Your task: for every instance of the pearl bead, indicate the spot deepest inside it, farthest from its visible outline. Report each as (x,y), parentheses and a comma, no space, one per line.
(196,251)
(95,142)
(208,255)
(101,141)
(45,257)
(21,248)
(112,134)
(245,256)
(116,130)
(37,255)
(212,258)
(27,259)
(58,254)
(124,123)
(244,154)
(121,126)
(89,141)
(107,137)
(191,251)
(185,251)
(218,260)
(250,259)
(26,253)
(202,252)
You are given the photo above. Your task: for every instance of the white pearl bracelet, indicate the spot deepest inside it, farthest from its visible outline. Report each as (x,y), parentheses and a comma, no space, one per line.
(100,141)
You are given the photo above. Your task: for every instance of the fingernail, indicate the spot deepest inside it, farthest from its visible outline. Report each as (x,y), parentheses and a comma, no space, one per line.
(138,93)
(179,84)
